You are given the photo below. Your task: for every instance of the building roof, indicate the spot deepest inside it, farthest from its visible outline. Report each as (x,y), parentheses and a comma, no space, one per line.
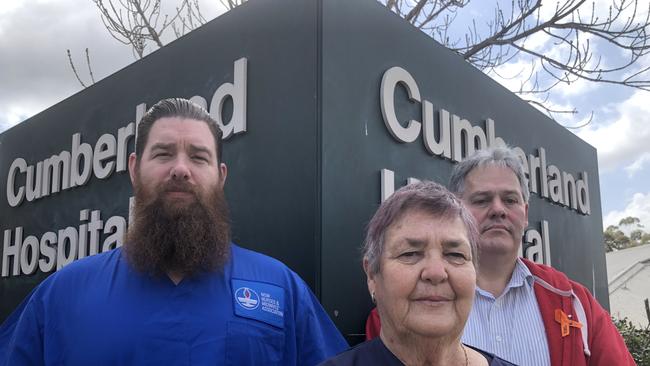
(620,260)
(628,276)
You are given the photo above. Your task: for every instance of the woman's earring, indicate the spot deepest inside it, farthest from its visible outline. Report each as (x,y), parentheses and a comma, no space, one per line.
(372,296)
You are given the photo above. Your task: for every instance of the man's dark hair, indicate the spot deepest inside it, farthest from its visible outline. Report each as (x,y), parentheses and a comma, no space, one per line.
(176,107)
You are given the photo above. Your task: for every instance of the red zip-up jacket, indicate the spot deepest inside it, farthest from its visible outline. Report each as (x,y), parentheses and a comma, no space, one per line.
(596,343)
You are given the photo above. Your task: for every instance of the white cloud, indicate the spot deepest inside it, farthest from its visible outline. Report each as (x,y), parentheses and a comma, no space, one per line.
(538,42)
(576,88)
(625,140)
(561,53)
(518,76)
(514,75)
(604,55)
(34,68)
(637,165)
(639,207)
(15,114)
(8,7)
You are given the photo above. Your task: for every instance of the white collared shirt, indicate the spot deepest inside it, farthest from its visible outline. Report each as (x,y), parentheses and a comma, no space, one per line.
(509,326)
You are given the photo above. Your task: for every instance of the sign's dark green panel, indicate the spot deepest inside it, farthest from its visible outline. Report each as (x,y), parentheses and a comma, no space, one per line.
(361,41)
(272,182)
(306,174)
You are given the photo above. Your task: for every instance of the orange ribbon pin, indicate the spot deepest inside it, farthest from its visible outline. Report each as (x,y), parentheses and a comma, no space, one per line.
(565,322)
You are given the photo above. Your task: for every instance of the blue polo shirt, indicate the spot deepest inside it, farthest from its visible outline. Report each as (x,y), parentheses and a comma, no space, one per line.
(100,311)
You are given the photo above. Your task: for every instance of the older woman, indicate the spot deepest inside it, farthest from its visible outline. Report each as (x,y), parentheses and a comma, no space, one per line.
(419,256)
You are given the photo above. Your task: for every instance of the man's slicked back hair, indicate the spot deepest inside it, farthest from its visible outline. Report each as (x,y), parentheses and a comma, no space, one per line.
(176,107)
(428,197)
(499,156)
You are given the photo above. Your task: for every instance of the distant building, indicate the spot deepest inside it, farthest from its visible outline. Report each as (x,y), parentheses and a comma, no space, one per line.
(628,273)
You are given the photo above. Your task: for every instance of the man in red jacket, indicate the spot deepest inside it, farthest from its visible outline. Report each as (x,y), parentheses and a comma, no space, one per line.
(526,313)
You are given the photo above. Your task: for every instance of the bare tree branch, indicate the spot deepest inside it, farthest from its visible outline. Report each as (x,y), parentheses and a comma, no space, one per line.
(415,10)
(75,69)
(90,69)
(140,22)
(231,4)
(569,30)
(567,54)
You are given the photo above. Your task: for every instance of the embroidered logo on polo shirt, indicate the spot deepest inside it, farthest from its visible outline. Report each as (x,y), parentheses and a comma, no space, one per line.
(260,301)
(247,298)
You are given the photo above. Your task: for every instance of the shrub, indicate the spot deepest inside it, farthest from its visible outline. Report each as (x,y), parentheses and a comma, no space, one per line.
(636,339)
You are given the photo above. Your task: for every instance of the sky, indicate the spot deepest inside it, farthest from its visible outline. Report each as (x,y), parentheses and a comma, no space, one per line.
(35,74)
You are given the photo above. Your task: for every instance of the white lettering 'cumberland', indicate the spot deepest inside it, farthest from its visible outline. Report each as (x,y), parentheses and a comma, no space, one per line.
(449,136)
(392,78)
(68,169)
(237,92)
(76,166)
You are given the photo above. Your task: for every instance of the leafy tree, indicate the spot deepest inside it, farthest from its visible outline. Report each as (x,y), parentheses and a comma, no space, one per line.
(636,235)
(645,239)
(630,220)
(616,239)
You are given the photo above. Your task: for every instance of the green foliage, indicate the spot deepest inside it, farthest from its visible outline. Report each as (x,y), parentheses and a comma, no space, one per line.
(630,220)
(636,235)
(636,339)
(615,238)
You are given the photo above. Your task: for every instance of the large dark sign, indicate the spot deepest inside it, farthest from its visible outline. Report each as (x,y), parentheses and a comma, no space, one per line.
(328,107)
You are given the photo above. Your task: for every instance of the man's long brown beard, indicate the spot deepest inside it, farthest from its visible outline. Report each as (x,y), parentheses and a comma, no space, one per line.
(185,238)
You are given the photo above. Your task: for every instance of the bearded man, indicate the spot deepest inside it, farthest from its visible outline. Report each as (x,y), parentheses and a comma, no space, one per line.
(178,292)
